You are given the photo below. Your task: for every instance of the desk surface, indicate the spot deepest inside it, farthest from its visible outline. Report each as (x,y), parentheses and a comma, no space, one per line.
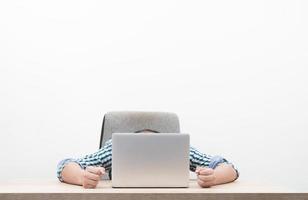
(57,190)
(105,187)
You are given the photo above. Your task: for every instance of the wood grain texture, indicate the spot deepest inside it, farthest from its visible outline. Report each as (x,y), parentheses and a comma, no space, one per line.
(149,196)
(53,190)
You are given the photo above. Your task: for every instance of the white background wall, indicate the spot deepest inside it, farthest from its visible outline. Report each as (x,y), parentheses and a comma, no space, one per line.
(234,71)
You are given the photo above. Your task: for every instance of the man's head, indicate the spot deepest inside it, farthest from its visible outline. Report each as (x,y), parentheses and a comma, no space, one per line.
(146,131)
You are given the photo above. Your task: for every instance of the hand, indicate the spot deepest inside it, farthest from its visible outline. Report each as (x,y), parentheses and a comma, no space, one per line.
(92,176)
(206,176)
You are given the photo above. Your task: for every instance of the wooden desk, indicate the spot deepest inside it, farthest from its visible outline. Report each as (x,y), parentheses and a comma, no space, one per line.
(54,190)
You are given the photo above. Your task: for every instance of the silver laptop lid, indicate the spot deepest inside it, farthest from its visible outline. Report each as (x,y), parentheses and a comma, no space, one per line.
(150,160)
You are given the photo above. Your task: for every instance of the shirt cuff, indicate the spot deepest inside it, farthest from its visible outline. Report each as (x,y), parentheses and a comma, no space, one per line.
(216,160)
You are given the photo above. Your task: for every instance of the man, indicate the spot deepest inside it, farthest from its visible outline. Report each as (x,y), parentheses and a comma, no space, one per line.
(88,170)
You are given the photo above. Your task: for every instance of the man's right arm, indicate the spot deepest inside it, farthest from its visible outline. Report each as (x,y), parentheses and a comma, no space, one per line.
(88,178)
(86,171)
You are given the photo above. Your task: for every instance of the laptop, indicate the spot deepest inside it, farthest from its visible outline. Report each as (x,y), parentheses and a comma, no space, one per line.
(150,160)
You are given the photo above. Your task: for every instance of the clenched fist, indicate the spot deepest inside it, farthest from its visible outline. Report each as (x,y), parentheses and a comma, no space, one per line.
(92,176)
(206,177)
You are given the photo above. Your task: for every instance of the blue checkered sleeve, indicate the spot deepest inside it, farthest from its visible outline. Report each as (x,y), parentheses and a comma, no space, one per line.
(100,158)
(203,160)
(103,158)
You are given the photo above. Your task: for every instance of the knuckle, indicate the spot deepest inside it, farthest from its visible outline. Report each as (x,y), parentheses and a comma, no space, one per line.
(204,184)
(87,175)
(89,168)
(203,178)
(200,182)
(97,177)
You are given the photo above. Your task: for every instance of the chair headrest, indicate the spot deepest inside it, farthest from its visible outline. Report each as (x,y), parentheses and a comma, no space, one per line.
(130,122)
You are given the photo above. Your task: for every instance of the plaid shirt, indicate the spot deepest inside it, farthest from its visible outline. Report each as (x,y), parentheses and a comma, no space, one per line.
(103,158)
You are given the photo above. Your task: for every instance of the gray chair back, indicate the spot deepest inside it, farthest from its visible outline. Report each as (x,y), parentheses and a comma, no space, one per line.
(130,122)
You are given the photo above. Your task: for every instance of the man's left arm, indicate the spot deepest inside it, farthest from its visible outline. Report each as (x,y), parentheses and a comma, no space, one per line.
(211,170)
(223,173)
